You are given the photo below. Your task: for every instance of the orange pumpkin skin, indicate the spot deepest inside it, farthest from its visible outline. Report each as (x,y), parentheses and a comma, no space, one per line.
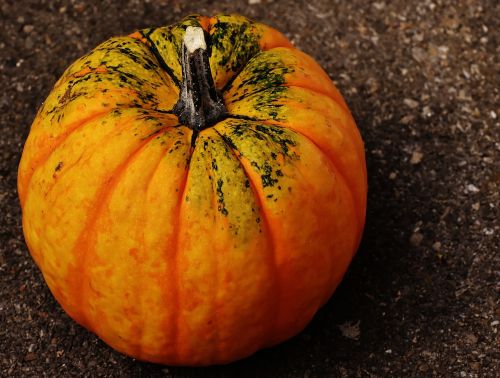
(183,247)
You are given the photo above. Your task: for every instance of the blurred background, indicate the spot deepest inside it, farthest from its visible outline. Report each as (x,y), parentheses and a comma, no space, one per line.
(422,81)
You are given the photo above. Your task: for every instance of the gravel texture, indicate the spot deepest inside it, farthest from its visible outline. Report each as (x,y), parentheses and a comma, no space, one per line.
(422,79)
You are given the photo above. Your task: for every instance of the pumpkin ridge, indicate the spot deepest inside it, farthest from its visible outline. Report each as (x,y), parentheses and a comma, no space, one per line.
(161,62)
(356,216)
(331,158)
(230,82)
(320,93)
(96,146)
(262,48)
(235,75)
(246,95)
(340,100)
(285,85)
(236,35)
(267,225)
(103,69)
(139,346)
(88,233)
(216,351)
(175,273)
(39,161)
(259,71)
(331,267)
(357,141)
(334,162)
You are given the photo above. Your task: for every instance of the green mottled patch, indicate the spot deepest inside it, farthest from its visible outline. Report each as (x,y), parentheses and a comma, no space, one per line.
(120,67)
(268,149)
(261,84)
(219,188)
(167,44)
(263,71)
(234,40)
(220,197)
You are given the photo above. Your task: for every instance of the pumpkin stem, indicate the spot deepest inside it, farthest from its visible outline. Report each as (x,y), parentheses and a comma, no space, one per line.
(199,105)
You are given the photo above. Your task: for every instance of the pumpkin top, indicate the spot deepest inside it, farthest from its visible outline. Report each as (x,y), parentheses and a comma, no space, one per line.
(199,104)
(260,82)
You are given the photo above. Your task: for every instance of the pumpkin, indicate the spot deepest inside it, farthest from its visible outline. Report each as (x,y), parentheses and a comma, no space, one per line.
(193,193)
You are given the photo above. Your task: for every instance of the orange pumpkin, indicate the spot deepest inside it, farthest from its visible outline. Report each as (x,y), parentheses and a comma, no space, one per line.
(193,193)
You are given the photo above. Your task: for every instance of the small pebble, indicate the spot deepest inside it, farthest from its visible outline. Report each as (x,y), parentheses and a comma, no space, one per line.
(412,104)
(471,188)
(418,54)
(416,238)
(475,365)
(471,339)
(79,7)
(28,28)
(426,111)
(423,368)
(407,119)
(30,357)
(416,157)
